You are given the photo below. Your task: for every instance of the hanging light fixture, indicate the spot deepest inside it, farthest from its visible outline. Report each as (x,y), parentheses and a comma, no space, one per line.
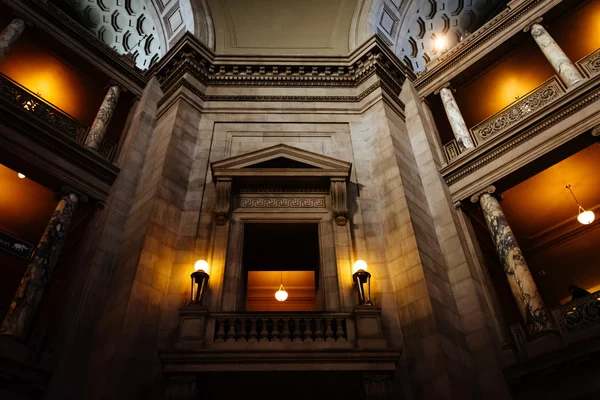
(20,175)
(584,217)
(281,294)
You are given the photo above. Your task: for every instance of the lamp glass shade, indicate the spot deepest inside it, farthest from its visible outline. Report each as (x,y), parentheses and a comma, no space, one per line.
(201,265)
(20,175)
(586,217)
(359,265)
(281,294)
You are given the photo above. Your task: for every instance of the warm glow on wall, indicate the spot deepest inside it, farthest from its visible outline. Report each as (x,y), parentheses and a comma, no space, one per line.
(53,80)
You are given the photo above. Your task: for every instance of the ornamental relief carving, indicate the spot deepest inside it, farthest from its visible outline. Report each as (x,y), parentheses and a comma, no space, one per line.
(511,116)
(591,64)
(281,202)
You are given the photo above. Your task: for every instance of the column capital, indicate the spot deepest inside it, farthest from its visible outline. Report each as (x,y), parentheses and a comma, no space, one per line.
(488,190)
(529,25)
(444,86)
(596,131)
(69,191)
(113,83)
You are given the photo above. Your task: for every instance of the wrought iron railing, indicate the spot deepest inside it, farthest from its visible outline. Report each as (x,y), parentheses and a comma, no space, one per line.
(21,100)
(271,327)
(579,314)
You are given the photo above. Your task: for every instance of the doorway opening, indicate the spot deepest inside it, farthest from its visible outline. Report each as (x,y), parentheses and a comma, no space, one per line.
(281,253)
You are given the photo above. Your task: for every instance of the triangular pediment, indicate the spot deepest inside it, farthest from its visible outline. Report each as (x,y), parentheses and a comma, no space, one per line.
(281,160)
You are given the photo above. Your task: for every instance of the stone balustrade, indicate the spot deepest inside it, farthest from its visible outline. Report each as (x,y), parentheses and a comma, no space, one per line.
(281,328)
(579,314)
(16,98)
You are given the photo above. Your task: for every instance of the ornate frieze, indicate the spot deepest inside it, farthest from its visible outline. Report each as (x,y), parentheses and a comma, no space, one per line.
(192,58)
(282,188)
(281,202)
(591,64)
(531,103)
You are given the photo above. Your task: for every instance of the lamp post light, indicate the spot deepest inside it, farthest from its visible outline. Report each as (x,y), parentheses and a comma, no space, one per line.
(199,280)
(362,279)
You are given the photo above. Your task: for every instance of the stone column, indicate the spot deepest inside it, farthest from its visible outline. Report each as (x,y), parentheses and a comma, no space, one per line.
(521,281)
(100,125)
(457,122)
(23,308)
(378,385)
(10,35)
(559,60)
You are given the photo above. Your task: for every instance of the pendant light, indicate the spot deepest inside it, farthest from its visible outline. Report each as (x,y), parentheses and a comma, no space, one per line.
(584,217)
(281,294)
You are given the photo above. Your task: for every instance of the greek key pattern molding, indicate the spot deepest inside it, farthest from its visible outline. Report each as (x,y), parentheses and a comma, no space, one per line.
(544,94)
(281,202)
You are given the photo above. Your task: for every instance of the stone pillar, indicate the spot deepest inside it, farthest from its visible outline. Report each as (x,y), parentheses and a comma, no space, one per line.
(100,125)
(521,281)
(457,122)
(22,310)
(182,387)
(559,60)
(10,35)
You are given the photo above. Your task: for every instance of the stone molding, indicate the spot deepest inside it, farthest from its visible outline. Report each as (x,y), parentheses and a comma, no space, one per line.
(479,43)
(191,57)
(223,200)
(281,202)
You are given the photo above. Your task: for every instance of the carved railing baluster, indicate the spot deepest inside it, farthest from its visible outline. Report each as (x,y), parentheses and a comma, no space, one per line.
(341,333)
(219,330)
(252,334)
(328,329)
(264,332)
(318,334)
(296,335)
(286,330)
(231,330)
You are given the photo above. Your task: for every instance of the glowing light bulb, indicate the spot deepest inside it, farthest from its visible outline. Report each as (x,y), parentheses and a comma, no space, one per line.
(20,175)
(359,265)
(281,294)
(586,217)
(201,265)
(440,43)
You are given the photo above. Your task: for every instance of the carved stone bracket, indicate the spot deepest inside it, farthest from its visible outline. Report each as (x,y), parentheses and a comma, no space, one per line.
(339,201)
(223,201)
(489,190)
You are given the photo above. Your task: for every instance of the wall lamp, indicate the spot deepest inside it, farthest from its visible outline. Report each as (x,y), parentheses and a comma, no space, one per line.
(362,279)
(199,280)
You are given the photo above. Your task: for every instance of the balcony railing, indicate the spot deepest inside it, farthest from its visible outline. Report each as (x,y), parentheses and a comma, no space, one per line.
(290,330)
(579,314)
(19,99)
(281,328)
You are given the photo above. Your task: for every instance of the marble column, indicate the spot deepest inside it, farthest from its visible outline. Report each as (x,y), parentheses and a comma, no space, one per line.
(567,71)
(10,35)
(519,276)
(23,308)
(457,122)
(100,125)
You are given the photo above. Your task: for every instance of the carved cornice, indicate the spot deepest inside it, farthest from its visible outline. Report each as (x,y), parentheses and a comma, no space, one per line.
(577,101)
(63,28)
(478,42)
(190,56)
